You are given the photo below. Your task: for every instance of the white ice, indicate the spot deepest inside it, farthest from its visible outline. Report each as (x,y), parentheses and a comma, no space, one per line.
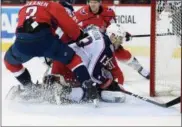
(133,112)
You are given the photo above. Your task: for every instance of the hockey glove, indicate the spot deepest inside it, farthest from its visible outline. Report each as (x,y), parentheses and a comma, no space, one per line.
(90,90)
(30,25)
(128,36)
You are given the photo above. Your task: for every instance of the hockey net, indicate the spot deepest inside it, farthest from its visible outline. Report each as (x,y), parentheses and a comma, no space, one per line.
(165,48)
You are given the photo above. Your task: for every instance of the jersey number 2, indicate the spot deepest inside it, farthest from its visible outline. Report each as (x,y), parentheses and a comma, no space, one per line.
(31,11)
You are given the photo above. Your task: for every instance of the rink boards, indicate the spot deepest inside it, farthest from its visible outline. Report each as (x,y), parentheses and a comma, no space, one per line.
(128,16)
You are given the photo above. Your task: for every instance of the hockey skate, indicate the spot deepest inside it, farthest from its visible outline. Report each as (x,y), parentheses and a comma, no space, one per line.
(60,93)
(144,73)
(13,92)
(24,93)
(56,89)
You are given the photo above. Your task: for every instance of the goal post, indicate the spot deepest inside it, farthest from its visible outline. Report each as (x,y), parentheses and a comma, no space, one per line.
(165,51)
(152,47)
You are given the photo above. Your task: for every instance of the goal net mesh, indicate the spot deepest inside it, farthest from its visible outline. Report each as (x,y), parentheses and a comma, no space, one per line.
(167,54)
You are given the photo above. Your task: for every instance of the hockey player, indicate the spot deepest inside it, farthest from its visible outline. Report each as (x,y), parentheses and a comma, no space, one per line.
(103,16)
(98,57)
(34,38)
(60,68)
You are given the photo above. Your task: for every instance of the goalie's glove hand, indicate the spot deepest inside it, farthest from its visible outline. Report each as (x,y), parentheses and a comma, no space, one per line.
(49,80)
(84,39)
(128,36)
(90,90)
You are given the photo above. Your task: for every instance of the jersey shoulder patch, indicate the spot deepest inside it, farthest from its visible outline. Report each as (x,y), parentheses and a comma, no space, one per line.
(83,11)
(108,11)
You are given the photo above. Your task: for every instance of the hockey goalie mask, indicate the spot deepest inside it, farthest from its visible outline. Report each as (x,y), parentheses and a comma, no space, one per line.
(115,34)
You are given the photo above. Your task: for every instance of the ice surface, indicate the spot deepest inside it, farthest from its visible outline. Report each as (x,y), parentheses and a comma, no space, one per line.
(132,112)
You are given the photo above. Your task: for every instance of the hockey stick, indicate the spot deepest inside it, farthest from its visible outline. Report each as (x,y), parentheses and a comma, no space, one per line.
(148,35)
(165,105)
(143,35)
(173,102)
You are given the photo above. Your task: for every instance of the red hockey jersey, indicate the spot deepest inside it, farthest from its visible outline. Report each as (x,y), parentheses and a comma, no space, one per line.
(103,19)
(84,17)
(48,12)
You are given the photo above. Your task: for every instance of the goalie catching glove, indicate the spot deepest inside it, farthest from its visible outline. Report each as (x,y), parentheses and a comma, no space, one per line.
(128,36)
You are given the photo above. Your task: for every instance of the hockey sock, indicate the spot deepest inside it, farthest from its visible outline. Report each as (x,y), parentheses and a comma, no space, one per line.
(81,74)
(24,78)
(133,62)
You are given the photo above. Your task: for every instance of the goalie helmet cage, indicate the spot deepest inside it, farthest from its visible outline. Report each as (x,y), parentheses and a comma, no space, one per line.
(173,10)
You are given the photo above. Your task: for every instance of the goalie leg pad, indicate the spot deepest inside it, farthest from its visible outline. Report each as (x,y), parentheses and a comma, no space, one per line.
(113,96)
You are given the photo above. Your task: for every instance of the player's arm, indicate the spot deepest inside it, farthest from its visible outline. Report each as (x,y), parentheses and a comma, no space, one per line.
(110,16)
(79,17)
(116,72)
(66,23)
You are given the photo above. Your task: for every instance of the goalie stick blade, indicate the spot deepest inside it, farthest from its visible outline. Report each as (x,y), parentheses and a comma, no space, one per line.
(173,102)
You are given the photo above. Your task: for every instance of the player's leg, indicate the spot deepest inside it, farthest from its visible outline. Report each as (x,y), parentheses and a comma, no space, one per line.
(111,93)
(61,52)
(25,47)
(125,56)
(13,60)
(94,68)
(61,69)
